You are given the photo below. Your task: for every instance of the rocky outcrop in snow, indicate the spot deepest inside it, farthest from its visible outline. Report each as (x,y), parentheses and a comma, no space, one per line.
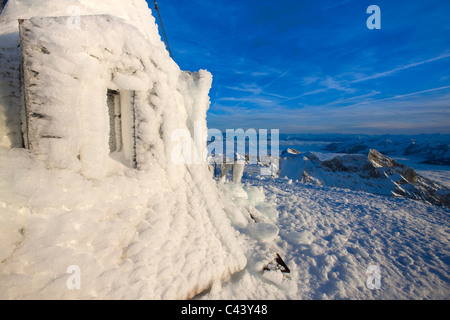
(373,172)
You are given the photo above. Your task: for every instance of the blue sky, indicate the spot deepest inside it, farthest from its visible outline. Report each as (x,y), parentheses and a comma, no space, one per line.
(313,66)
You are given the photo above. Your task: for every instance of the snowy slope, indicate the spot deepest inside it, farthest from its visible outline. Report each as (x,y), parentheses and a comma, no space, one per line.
(329,237)
(135,235)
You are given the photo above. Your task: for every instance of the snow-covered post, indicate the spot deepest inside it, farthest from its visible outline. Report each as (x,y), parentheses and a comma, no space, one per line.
(225,169)
(74,20)
(238,172)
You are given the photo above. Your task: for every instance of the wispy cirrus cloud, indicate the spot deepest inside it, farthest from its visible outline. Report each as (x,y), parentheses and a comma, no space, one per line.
(258,101)
(345,101)
(248,88)
(415,112)
(276,79)
(345,85)
(406,95)
(401,68)
(255,90)
(316,67)
(328,83)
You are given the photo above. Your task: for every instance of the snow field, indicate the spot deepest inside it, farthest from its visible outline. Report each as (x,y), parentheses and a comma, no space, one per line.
(329,237)
(130,239)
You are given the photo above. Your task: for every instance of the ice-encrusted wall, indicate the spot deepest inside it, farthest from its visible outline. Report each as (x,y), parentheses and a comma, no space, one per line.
(135,12)
(67,74)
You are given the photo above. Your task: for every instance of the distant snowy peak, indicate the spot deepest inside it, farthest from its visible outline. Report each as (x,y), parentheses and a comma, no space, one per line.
(373,172)
(292,151)
(434,148)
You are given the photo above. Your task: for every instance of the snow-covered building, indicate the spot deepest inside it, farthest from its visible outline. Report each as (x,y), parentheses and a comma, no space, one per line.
(91,83)
(89,89)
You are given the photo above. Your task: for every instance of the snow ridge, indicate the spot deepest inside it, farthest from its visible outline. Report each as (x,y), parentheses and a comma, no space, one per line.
(373,173)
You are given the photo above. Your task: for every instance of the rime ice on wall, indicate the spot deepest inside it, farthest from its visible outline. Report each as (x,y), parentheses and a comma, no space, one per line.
(100,100)
(63,125)
(69,121)
(135,12)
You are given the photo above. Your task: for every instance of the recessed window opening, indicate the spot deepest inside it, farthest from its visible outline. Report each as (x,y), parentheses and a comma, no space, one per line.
(122,126)
(115,121)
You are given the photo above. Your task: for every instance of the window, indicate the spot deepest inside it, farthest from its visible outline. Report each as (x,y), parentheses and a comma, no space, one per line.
(115,121)
(122,127)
